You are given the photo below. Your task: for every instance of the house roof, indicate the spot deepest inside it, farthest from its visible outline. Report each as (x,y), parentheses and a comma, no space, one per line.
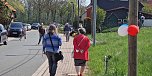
(117,8)
(108,5)
(8,5)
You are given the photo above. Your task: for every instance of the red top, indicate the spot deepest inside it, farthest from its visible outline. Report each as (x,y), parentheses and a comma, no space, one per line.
(84,44)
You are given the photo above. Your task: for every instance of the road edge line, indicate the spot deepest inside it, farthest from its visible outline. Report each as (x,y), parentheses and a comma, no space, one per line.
(40,71)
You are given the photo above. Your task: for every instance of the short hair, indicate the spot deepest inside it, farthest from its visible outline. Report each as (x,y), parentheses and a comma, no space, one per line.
(82,30)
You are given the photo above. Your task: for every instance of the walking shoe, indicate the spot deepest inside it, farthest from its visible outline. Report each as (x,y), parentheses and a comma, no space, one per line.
(24,37)
(80,75)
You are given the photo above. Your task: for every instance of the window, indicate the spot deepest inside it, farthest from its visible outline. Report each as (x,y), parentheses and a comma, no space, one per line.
(125,21)
(119,22)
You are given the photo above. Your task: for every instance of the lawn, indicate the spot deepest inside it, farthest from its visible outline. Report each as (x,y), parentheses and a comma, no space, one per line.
(117,47)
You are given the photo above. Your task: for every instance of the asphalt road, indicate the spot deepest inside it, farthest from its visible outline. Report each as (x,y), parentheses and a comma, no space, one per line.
(21,58)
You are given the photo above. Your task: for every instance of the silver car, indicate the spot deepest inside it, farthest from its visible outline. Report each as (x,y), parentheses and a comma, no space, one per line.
(3,35)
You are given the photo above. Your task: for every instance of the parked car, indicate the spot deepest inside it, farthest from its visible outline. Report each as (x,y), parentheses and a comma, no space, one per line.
(25,26)
(28,26)
(35,25)
(3,35)
(16,29)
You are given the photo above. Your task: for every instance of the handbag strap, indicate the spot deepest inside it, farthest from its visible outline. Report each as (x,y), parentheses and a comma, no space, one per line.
(53,57)
(51,42)
(81,41)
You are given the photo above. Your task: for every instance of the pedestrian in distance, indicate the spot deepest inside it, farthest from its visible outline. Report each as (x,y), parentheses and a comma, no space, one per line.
(23,34)
(41,33)
(142,18)
(57,26)
(81,45)
(80,25)
(51,45)
(67,30)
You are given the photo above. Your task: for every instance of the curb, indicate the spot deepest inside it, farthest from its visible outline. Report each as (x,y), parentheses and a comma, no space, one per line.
(42,69)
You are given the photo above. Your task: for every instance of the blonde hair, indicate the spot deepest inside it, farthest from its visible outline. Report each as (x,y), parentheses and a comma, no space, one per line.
(52,29)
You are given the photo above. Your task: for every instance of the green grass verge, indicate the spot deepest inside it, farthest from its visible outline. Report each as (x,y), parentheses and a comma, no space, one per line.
(117,46)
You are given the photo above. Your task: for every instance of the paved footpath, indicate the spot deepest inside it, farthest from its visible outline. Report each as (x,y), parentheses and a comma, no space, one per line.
(65,67)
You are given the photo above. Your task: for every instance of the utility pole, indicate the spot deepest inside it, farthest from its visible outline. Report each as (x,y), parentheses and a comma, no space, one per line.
(132,40)
(94,21)
(78,13)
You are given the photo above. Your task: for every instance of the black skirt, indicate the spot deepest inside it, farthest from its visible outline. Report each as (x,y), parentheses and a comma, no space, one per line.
(79,62)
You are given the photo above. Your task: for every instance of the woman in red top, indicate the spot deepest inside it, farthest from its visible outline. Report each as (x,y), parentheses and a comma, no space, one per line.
(81,45)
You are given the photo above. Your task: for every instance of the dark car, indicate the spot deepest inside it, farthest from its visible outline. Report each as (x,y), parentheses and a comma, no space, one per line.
(3,35)
(16,29)
(35,25)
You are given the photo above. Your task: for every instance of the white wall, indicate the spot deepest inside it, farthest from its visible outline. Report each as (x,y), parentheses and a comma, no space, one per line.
(147,22)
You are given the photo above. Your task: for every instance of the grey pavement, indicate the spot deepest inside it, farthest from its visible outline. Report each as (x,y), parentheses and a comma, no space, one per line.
(65,67)
(21,58)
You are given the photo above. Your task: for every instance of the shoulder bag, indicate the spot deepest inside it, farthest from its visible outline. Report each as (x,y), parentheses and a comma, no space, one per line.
(58,56)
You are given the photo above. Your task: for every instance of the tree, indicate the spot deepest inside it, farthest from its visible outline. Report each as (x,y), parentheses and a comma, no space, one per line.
(147,8)
(5,13)
(17,5)
(100,18)
(20,9)
(45,11)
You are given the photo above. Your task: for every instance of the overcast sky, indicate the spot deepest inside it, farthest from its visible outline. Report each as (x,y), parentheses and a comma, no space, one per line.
(87,2)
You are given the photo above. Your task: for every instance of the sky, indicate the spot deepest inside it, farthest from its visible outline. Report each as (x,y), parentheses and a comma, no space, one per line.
(87,2)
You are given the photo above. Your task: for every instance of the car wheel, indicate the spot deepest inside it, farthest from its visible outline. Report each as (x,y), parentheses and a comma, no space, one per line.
(5,43)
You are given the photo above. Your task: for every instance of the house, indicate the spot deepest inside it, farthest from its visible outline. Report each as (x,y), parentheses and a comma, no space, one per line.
(87,20)
(116,11)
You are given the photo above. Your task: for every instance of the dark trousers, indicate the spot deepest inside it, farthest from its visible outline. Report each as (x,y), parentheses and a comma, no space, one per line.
(67,34)
(40,38)
(52,63)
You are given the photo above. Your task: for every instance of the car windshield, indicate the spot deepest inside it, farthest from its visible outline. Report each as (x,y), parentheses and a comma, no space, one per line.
(16,25)
(24,24)
(35,24)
